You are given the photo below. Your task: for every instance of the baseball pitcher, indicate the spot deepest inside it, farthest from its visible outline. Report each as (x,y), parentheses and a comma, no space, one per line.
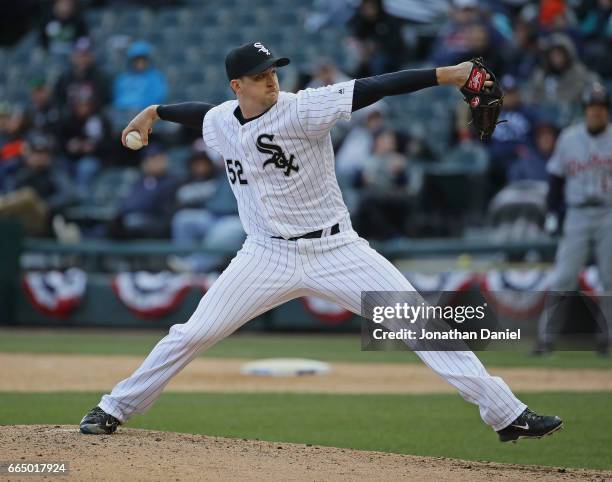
(280,163)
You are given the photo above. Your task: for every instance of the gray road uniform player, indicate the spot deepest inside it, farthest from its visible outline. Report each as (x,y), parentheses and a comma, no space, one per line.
(581,173)
(278,154)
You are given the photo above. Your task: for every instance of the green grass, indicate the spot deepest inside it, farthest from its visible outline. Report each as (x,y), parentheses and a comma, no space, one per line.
(437,425)
(322,347)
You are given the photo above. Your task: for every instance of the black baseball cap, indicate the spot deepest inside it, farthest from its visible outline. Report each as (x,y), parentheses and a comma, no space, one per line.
(596,94)
(251,59)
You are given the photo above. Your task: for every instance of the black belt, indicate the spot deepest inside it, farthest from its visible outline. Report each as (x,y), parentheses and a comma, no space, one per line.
(335,229)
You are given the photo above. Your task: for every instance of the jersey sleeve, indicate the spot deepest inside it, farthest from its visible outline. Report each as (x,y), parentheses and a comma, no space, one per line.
(556,164)
(319,109)
(209,132)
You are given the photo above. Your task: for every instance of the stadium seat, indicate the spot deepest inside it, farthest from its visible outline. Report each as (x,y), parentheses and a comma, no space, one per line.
(177,160)
(468,157)
(93,16)
(445,183)
(173,75)
(128,19)
(120,118)
(190,73)
(111,186)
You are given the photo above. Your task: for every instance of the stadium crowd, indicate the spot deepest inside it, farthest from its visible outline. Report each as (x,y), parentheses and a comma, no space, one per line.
(61,160)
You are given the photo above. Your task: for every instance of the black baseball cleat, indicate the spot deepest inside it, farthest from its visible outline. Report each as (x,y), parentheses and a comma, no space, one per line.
(530,425)
(542,349)
(97,421)
(603,349)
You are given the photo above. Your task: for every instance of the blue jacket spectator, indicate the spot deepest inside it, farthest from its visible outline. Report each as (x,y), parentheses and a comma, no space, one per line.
(523,55)
(142,84)
(154,191)
(516,131)
(462,34)
(146,211)
(531,162)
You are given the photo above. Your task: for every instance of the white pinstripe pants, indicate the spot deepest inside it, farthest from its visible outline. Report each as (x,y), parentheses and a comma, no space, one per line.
(268,272)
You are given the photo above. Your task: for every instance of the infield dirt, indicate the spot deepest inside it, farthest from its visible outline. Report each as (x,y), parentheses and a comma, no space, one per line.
(49,372)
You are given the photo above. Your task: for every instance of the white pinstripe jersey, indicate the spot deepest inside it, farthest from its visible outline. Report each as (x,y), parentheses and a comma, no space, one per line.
(281,164)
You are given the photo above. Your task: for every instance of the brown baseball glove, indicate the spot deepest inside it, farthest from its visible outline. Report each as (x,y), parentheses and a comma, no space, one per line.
(485,102)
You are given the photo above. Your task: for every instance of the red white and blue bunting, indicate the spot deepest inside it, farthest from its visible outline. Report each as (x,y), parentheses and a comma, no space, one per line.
(516,293)
(519,294)
(55,293)
(459,280)
(325,311)
(151,295)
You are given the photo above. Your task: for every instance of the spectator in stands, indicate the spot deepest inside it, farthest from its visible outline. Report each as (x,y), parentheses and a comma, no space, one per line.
(62,27)
(417,11)
(531,161)
(5,115)
(479,44)
(457,38)
(359,142)
(522,56)
(84,138)
(38,188)
(556,16)
(146,211)
(142,84)
(389,184)
(16,19)
(198,219)
(82,73)
(326,72)
(376,40)
(12,132)
(42,114)
(511,135)
(561,77)
(595,27)
(323,13)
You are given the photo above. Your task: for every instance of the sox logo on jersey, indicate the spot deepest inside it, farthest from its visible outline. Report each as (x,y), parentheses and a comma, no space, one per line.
(278,159)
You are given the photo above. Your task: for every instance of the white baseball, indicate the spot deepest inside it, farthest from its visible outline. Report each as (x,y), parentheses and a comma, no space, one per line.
(133,140)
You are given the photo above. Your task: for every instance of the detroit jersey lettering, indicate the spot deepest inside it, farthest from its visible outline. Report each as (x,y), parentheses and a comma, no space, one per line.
(281,164)
(586,163)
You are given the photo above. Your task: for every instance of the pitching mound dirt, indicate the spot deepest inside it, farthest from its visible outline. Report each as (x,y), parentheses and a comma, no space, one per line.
(132,454)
